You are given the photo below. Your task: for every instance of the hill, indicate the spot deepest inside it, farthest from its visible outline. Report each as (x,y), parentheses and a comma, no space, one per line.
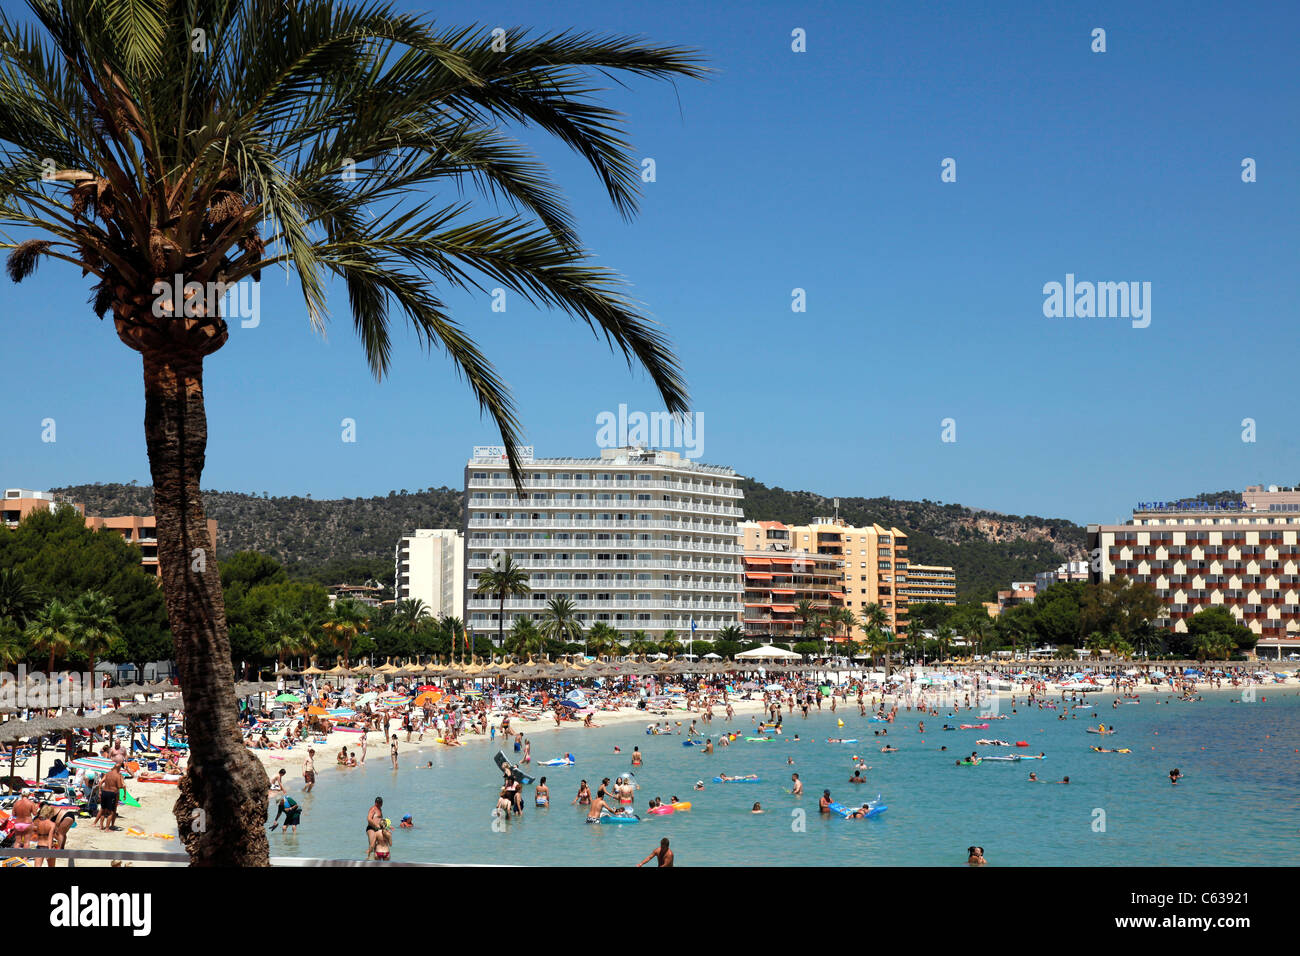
(352,539)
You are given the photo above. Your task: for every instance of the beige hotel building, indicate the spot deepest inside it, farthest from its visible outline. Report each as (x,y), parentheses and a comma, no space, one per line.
(1242,555)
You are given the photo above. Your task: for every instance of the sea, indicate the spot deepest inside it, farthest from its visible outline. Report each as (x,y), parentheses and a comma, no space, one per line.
(1239,758)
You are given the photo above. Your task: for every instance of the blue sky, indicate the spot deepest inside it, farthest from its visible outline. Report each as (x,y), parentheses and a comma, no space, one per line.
(821,171)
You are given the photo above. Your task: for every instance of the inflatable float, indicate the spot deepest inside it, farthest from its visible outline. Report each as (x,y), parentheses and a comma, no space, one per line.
(747,778)
(566,761)
(621,818)
(874,808)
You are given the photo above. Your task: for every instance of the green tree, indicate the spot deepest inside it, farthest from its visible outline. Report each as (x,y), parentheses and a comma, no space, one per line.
(524,639)
(560,621)
(311,136)
(345,622)
(53,629)
(96,627)
(18,599)
(505,580)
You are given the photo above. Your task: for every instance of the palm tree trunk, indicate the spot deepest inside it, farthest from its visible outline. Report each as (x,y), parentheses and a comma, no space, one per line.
(221,808)
(501,621)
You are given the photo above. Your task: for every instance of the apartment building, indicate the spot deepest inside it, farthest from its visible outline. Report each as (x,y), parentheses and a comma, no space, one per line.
(873,559)
(777,577)
(928,583)
(140,530)
(1243,555)
(639,539)
(430,567)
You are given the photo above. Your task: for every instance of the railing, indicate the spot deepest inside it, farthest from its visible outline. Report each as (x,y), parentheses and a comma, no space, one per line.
(581,564)
(681,625)
(603,584)
(729,491)
(489,504)
(611,544)
(719,607)
(628,524)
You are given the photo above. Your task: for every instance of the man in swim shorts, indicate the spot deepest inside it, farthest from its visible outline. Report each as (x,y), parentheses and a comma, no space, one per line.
(798,785)
(108,798)
(309,771)
(661,853)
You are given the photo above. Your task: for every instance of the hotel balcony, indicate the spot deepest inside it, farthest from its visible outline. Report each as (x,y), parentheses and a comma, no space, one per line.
(622,564)
(681,487)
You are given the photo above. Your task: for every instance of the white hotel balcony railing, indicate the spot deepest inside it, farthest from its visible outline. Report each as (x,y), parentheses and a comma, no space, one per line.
(659,544)
(685,487)
(593,584)
(583,564)
(609,504)
(630,524)
(651,604)
(681,625)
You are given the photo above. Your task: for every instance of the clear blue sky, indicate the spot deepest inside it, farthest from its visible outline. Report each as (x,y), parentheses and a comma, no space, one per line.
(821,170)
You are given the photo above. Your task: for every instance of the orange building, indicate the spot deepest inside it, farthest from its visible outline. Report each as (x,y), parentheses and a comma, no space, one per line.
(777,578)
(140,530)
(874,565)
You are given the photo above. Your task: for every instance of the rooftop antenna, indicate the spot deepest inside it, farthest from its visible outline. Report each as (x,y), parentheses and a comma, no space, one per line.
(837,510)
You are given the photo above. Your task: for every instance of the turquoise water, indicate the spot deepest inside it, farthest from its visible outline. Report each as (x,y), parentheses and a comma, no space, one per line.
(1234,806)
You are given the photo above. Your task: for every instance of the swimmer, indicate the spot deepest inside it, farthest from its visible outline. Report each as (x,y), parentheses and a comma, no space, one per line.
(975,856)
(758,808)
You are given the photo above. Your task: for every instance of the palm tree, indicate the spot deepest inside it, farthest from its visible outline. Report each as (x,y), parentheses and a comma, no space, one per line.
(161,143)
(507,579)
(53,629)
(731,632)
(18,599)
(284,635)
(96,625)
(346,621)
(809,617)
(560,621)
(455,627)
(601,639)
(524,638)
(12,646)
(409,612)
(874,620)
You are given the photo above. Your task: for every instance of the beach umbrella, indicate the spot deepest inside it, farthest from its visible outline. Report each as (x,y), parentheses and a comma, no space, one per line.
(366,698)
(288,698)
(428,697)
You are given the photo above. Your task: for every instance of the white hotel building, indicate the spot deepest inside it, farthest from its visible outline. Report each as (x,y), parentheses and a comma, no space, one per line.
(642,540)
(430,567)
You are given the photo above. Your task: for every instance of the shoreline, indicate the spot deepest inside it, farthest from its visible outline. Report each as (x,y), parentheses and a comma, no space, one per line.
(154,816)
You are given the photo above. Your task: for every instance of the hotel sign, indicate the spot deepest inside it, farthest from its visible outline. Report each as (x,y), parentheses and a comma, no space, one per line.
(498,452)
(1187,505)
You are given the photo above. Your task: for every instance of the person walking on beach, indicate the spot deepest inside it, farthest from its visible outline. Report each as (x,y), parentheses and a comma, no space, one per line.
(309,771)
(374,824)
(112,789)
(365,734)
(660,853)
(392,750)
